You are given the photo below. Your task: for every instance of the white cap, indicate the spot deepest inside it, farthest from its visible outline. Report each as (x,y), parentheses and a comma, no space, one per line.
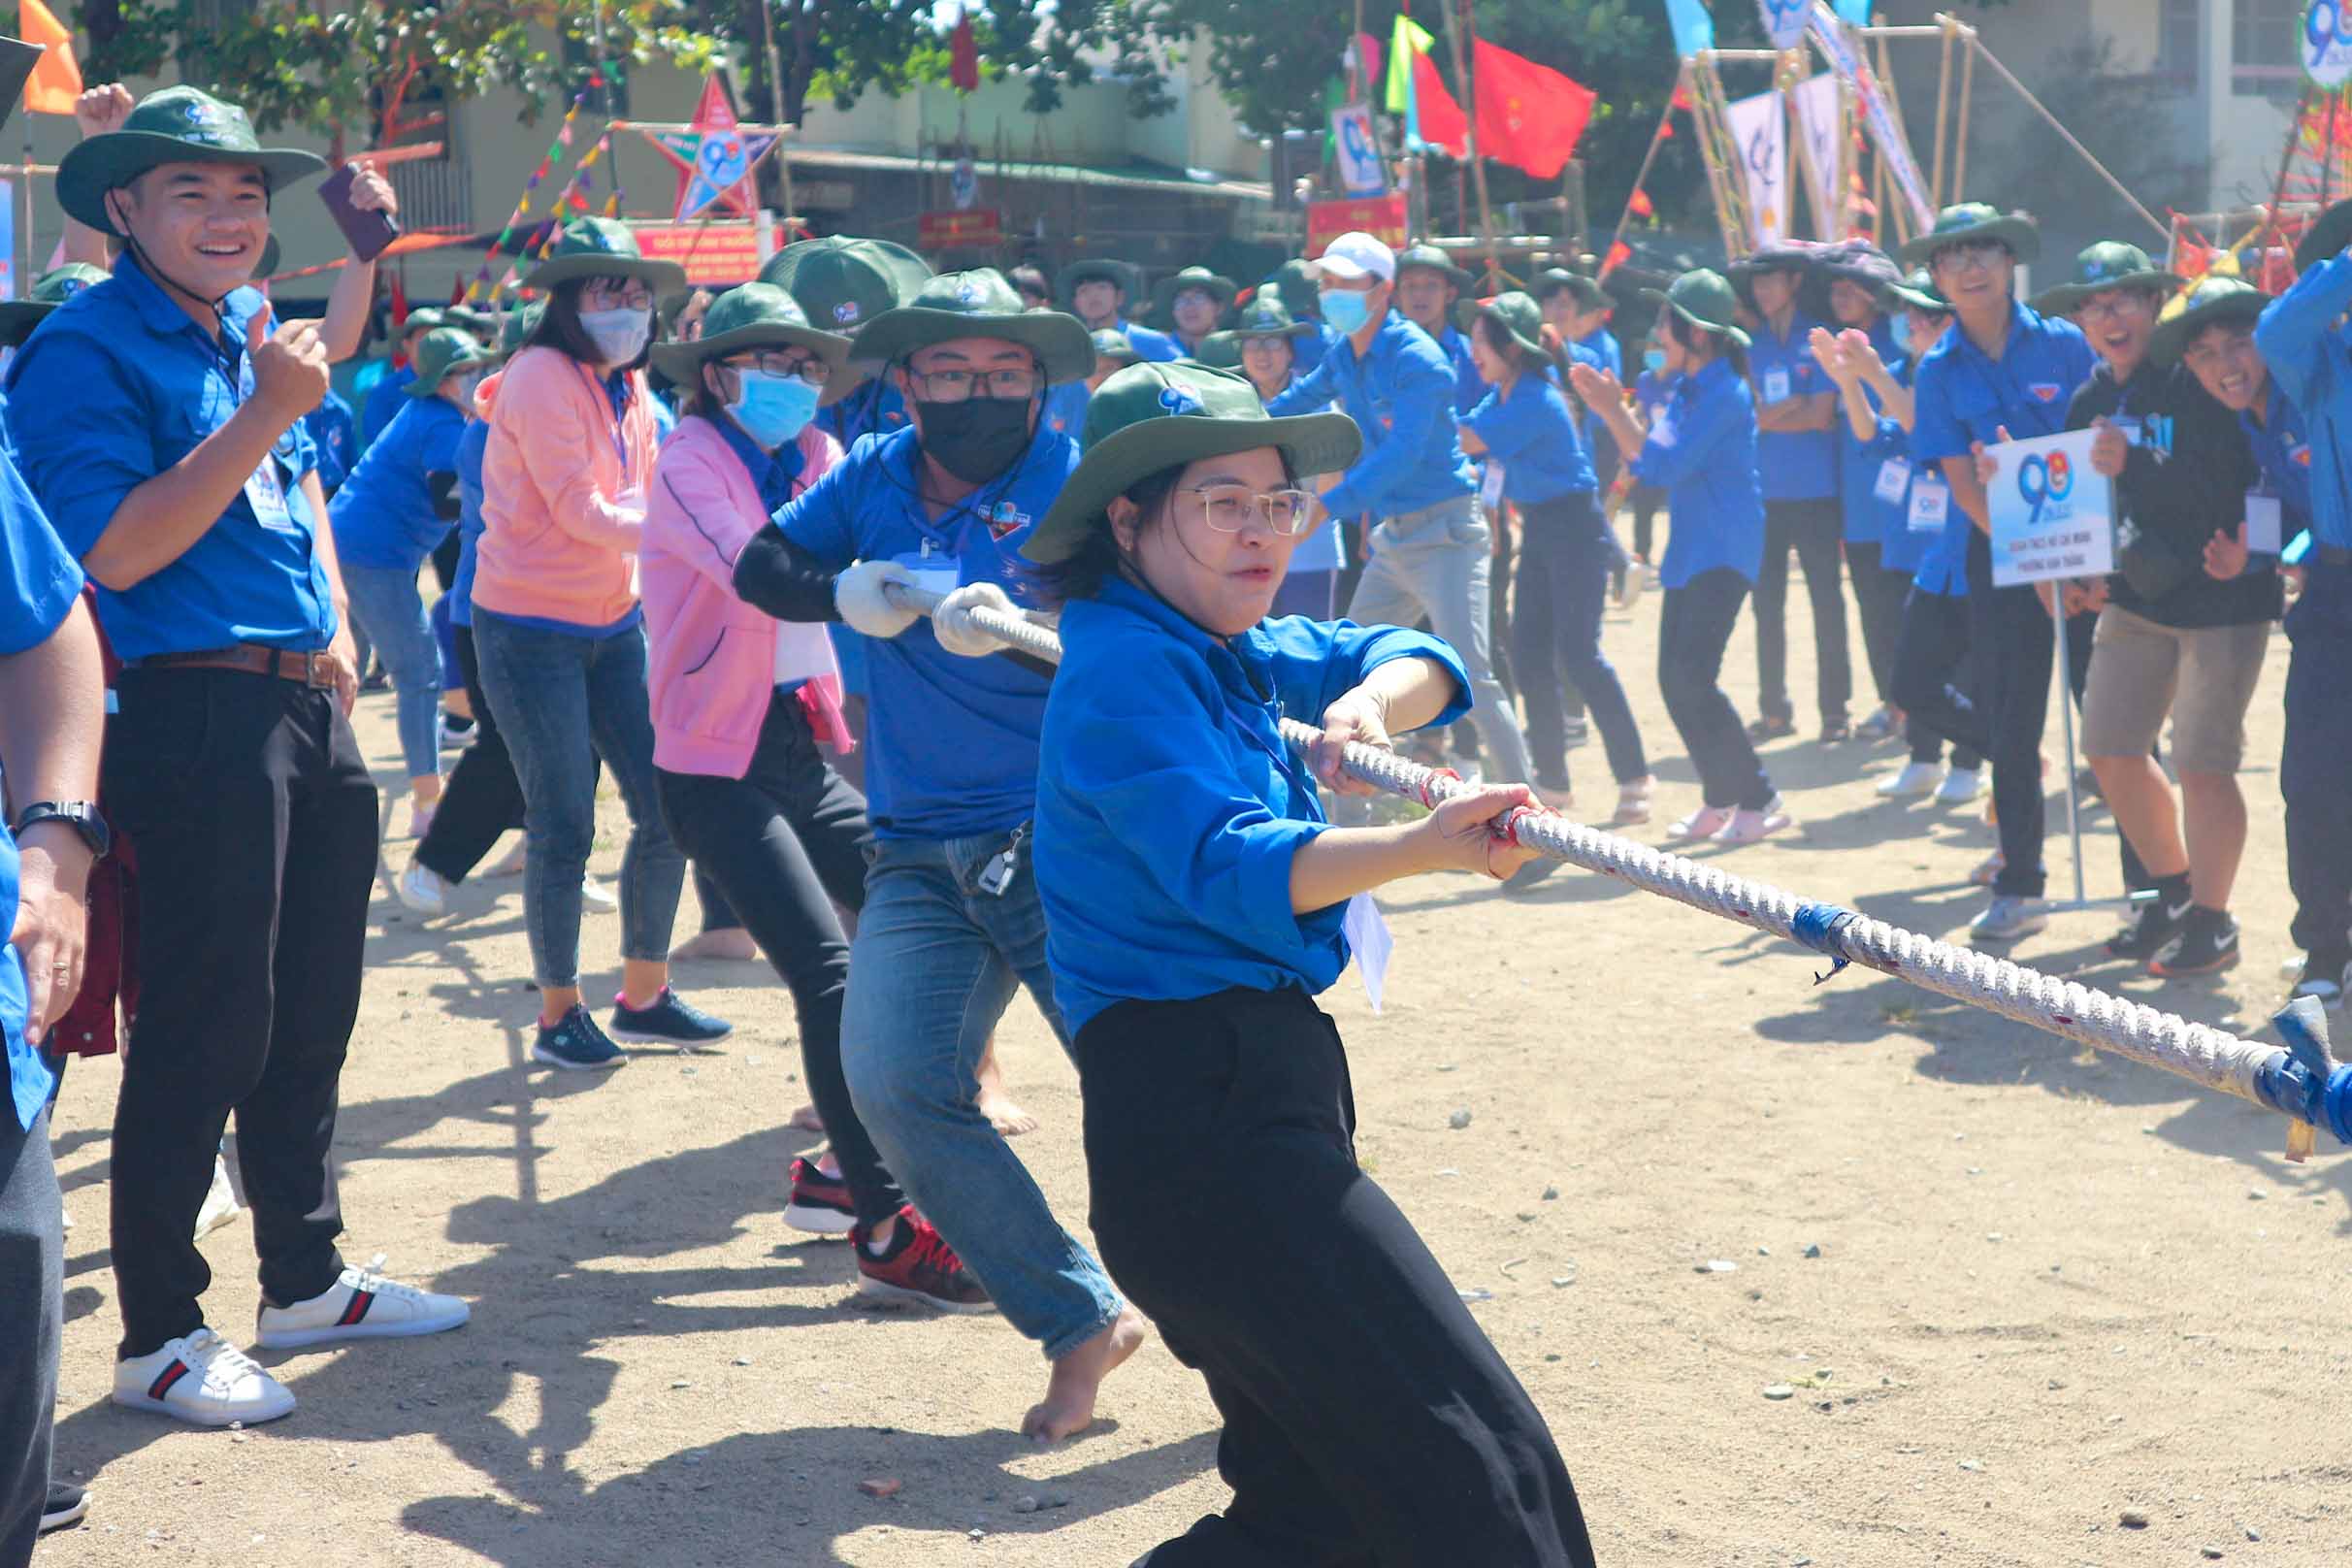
(1354,255)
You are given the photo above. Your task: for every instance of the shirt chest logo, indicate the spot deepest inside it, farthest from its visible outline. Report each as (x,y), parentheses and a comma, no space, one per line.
(2045,391)
(1004,519)
(2299,455)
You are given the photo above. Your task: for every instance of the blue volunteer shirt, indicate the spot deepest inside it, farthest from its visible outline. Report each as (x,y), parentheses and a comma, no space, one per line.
(384,514)
(1065,409)
(1703,451)
(1793,465)
(470,447)
(2311,360)
(1169,807)
(1871,518)
(336,438)
(874,409)
(1150,341)
(1469,388)
(118,385)
(1963,395)
(1307,349)
(1651,390)
(1610,356)
(953,741)
(384,403)
(38,582)
(1532,433)
(1401,394)
(2282,449)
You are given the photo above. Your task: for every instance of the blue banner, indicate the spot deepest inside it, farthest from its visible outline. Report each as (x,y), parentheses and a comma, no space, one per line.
(1857,11)
(1693,28)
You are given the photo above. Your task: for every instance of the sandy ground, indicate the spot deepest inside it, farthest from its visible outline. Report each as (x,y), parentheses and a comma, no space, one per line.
(2050,1287)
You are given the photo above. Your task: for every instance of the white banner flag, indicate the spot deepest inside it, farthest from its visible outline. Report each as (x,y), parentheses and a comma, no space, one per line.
(1822,129)
(1759,129)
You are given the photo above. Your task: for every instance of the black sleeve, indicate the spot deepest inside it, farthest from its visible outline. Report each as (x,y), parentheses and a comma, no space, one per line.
(442,487)
(778,577)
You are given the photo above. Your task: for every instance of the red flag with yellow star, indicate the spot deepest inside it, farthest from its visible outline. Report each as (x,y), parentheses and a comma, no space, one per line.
(1529,115)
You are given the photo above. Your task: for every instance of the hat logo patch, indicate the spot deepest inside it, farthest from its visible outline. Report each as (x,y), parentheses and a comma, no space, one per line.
(846,312)
(968,293)
(1180,400)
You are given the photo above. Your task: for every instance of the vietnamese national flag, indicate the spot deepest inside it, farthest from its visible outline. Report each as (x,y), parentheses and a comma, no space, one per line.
(1529,115)
(964,57)
(1443,124)
(1620,253)
(56,80)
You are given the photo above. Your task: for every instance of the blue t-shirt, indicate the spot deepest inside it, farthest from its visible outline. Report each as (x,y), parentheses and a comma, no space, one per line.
(2311,359)
(1151,343)
(1469,388)
(1607,353)
(2282,449)
(1965,395)
(1532,433)
(1065,409)
(1703,449)
(1651,390)
(1793,465)
(38,582)
(384,403)
(332,434)
(1169,807)
(470,447)
(1308,348)
(1871,518)
(117,386)
(1401,394)
(384,514)
(874,409)
(952,741)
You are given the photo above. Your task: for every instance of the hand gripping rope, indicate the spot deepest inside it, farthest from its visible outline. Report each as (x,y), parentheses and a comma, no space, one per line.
(2302,1081)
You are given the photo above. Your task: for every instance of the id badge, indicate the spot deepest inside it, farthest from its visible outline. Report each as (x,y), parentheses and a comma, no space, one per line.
(2132,428)
(935,573)
(1775,384)
(1894,474)
(2263,525)
(266,494)
(1931,502)
(1490,488)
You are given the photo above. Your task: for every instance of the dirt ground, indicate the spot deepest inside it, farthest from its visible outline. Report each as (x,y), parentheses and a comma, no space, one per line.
(2050,1287)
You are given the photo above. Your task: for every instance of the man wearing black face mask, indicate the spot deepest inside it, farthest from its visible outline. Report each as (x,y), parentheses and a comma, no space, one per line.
(952,918)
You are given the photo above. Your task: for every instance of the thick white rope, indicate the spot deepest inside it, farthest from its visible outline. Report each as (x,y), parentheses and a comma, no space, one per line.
(2303,1083)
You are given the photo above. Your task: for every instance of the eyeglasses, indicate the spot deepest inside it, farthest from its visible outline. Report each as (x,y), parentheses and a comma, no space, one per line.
(2116,308)
(616,293)
(1228,507)
(1960,258)
(807,367)
(954,386)
(1265,344)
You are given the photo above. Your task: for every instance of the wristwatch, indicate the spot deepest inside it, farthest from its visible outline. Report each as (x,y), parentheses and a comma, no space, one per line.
(79,815)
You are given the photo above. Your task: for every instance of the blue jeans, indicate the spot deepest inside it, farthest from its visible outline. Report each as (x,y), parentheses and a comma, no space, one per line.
(1563,581)
(385,599)
(933,964)
(562,702)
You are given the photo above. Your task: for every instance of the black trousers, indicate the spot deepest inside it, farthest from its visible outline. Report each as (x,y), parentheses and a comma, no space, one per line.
(1694,630)
(1879,594)
(2315,768)
(1648,502)
(255,825)
(785,843)
(1367,1419)
(1563,582)
(1815,529)
(483,797)
(32,1314)
(1931,653)
(444,559)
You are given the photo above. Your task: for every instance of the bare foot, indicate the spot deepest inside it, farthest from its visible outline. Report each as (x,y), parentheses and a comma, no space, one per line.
(1068,1406)
(808,1120)
(734,943)
(1008,1119)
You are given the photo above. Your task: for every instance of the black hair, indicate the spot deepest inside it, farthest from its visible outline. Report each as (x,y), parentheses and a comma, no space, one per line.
(560,328)
(1028,279)
(1725,346)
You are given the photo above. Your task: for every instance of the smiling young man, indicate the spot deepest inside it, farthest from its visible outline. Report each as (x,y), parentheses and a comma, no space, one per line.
(1427,286)
(160,418)
(1097,291)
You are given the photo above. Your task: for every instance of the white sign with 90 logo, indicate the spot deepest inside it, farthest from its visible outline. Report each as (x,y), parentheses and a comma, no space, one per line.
(2323,43)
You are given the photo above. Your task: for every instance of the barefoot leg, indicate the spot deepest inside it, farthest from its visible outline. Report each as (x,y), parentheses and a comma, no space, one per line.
(1008,1119)
(1069,1405)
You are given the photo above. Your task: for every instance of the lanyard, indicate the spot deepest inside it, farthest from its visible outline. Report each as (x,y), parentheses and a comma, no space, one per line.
(603,398)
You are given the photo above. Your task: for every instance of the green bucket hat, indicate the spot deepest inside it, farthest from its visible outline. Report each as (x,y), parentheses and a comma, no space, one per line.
(602,247)
(1112,344)
(2213,300)
(515,330)
(1266,315)
(1970,221)
(430,318)
(1293,283)
(1220,288)
(2108,264)
(1516,312)
(53,288)
(1917,289)
(172,125)
(2328,233)
(1098,269)
(444,352)
(752,315)
(843,281)
(1704,298)
(1154,416)
(977,303)
(1437,261)
(469,318)
(1588,293)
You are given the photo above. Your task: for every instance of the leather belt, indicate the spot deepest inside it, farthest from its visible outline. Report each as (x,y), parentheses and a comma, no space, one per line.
(313,669)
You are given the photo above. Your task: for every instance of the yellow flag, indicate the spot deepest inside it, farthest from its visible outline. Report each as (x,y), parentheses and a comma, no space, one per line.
(1409,39)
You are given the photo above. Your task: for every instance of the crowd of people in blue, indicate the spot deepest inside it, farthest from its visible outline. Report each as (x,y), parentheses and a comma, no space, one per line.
(677,532)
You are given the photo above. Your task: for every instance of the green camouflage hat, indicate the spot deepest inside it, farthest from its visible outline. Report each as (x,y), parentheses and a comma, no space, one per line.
(1918,291)
(482,323)
(1112,344)
(2213,300)
(428,317)
(1436,261)
(1516,313)
(1295,286)
(1219,287)
(843,281)
(602,247)
(53,288)
(1154,416)
(1968,222)
(445,352)
(1119,275)
(1704,298)
(1589,294)
(515,330)
(977,303)
(752,315)
(170,125)
(2108,264)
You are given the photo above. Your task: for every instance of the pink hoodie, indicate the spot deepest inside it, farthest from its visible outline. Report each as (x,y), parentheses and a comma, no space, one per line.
(563,491)
(715,659)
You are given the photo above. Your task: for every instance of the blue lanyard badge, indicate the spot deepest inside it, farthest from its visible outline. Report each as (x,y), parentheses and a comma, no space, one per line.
(612,433)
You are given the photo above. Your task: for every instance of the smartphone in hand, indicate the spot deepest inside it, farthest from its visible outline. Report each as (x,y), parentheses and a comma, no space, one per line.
(369,231)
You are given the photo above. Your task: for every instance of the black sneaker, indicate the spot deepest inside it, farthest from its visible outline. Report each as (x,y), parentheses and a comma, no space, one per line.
(574,1043)
(67,1505)
(672,1020)
(1769,728)
(2325,981)
(2208,944)
(2150,930)
(919,1266)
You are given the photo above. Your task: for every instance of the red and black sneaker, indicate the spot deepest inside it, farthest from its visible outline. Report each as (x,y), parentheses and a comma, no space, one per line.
(919,1265)
(819,1203)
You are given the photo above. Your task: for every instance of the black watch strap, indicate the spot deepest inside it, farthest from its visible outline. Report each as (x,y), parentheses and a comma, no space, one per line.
(82,816)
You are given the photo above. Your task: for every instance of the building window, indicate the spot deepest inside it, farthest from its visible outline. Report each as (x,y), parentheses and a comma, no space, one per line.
(2262,47)
(2179,50)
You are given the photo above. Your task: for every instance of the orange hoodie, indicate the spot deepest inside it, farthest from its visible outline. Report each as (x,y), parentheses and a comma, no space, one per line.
(563,491)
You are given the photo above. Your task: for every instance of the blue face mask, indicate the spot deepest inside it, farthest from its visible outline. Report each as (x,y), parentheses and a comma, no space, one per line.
(772,410)
(1653,360)
(1344,311)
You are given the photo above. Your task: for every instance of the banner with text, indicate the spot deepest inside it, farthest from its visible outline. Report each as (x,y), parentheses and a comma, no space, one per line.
(1759,129)
(1837,46)
(1383,217)
(1822,139)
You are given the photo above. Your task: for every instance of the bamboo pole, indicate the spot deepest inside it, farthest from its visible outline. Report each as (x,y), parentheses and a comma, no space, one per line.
(1943,111)
(2066,135)
(1968,96)
(1478,166)
(1641,176)
(1904,223)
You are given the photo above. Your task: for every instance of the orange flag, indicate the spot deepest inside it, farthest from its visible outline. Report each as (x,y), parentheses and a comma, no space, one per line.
(56,82)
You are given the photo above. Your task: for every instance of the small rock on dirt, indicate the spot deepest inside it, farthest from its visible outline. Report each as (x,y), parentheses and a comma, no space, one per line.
(1716,1266)
(1025,1505)
(1458,1120)
(881,1486)
(2132,1519)
(1812,1249)
(1778,1390)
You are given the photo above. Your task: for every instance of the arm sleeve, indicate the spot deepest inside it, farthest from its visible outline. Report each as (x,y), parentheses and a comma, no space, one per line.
(2296,330)
(568,460)
(1131,749)
(822,519)
(1508,427)
(702,529)
(38,580)
(1935,429)
(1307,394)
(81,425)
(1314,664)
(777,575)
(1686,446)
(1424,395)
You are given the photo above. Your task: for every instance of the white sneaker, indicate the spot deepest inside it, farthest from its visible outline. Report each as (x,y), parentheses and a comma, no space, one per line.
(1704,823)
(204,1380)
(220,1205)
(422,890)
(594,894)
(362,1304)
(1961,786)
(1636,578)
(1916,778)
(1747,826)
(2007,918)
